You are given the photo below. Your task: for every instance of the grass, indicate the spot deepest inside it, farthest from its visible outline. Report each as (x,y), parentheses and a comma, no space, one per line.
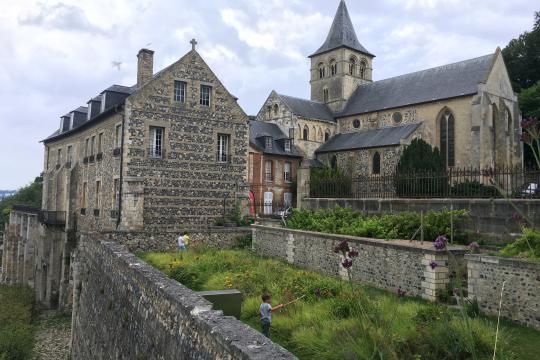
(16,330)
(343,323)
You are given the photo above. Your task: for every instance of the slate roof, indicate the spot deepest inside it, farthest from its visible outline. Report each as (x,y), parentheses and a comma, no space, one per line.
(82,109)
(259,129)
(389,136)
(307,108)
(341,33)
(443,82)
(121,89)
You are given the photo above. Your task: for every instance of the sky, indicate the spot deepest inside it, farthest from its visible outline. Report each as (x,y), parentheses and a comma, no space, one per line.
(56,55)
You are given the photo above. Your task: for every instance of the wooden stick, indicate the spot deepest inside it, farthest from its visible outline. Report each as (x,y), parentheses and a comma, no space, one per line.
(290,302)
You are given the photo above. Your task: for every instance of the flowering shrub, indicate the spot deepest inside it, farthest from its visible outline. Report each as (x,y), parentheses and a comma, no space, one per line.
(527,246)
(440,243)
(474,247)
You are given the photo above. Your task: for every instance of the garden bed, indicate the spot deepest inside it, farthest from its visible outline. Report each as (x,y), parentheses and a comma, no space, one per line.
(336,321)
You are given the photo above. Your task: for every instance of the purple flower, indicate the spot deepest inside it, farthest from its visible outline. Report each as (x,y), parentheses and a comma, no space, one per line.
(526,138)
(474,246)
(528,123)
(433,264)
(352,253)
(401,292)
(440,242)
(342,247)
(346,263)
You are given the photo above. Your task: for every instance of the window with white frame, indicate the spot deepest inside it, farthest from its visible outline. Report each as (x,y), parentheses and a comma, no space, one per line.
(287,145)
(156,142)
(268,176)
(223,148)
(206,92)
(268,142)
(287,171)
(179,91)
(117,135)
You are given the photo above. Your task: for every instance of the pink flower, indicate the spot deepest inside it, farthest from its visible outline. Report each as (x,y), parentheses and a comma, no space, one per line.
(528,123)
(352,253)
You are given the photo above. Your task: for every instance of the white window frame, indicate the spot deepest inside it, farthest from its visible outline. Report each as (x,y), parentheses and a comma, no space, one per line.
(180,91)
(268,142)
(223,144)
(287,145)
(156,140)
(206,95)
(268,170)
(287,171)
(117,135)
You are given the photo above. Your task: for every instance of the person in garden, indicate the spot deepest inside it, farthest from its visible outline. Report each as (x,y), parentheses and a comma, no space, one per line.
(183,241)
(266,313)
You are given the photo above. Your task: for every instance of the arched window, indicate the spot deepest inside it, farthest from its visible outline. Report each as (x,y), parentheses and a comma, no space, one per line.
(320,135)
(325,95)
(356,123)
(363,67)
(333,162)
(376,163)
(313,133)
(321,70)
(352,66)
(305,133)
(446,137)
(276,109)
(326,136)
(510,126)
(333,68)
(269,111)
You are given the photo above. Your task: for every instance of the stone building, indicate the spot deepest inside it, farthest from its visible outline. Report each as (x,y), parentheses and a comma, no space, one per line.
(467,109)
(273,163)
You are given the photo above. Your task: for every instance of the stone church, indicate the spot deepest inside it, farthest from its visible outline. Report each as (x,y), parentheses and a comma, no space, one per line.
(466,109)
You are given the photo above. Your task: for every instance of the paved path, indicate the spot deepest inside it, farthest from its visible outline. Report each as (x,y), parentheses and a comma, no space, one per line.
(53,333)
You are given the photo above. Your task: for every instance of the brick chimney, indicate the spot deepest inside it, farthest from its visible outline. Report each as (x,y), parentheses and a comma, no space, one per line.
(145,66)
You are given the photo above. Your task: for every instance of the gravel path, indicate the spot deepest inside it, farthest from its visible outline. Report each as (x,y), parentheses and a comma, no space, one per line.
(53,335)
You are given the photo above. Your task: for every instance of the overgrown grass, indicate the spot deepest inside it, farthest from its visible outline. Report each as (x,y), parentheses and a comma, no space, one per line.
(392,226)
(16,331)
(330,326)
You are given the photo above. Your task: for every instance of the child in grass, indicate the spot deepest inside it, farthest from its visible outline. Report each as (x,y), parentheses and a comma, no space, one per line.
(183,241)
(266,313)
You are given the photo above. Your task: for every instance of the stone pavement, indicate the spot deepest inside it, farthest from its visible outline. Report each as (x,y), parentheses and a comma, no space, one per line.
(53,334)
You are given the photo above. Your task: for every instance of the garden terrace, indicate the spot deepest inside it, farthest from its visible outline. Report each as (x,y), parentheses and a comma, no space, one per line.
(336,320)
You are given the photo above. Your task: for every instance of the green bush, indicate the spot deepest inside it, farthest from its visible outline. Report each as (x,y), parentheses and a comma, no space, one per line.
(528,245)
(329,182)
(474,189)
(16,332)
(403,225)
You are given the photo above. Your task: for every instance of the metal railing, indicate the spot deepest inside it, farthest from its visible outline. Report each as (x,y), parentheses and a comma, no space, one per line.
(453,183)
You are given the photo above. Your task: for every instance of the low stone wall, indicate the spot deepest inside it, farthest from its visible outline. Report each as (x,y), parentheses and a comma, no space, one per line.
(381,263)
(219,237)
(521,296)
(126,309)
(492,217)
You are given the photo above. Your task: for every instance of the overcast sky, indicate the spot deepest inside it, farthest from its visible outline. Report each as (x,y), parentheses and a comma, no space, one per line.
(55,55)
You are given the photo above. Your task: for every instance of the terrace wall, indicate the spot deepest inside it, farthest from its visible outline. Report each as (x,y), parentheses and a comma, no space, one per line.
(521,295)
(381,263)
(125,309)
(492,217)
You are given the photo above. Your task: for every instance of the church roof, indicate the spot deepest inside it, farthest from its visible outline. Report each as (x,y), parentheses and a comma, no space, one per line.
(307,108)
(259,129)
(388,136)
(443,82)
(341,33)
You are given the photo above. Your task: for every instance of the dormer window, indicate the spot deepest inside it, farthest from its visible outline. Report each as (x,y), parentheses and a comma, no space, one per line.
(287,145)
(268,142)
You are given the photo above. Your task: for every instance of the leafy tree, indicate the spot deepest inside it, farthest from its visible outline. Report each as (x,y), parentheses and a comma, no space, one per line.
(27,195)
(419,156)
(529,101)
(521,57)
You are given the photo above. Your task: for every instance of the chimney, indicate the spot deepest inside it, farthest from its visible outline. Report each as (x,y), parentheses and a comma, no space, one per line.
(145,65)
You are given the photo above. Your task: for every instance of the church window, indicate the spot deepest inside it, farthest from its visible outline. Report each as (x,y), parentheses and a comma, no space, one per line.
(269,111)
(333,162)
(326,136)
(321,70)
(397,117)
(352,66)
(205,97)
(376,163)
(306,133)
(179,91)
(363,67)
(276,109)
(325,95)
(333,67)
(446,134)
(356,123)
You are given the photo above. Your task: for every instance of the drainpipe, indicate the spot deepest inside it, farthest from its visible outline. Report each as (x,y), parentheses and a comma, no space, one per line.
(119,215)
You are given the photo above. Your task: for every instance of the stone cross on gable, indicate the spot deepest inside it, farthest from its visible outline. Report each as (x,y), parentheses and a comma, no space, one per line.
(193,43)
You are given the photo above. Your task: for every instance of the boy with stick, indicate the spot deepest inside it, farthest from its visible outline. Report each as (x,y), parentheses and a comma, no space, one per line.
(267,310)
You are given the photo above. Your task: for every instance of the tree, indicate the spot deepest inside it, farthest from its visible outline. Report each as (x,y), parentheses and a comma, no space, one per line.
(419,156)
(529,101)
(27,195)
(522,59)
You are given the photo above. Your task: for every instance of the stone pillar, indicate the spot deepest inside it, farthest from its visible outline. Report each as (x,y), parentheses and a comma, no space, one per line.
(437,278)
(54,269)
(31,238)
(303,177)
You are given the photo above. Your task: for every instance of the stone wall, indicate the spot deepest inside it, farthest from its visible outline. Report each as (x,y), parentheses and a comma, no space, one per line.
(381,263)
(125,309)
(218,237)
(490,217)
(521,295)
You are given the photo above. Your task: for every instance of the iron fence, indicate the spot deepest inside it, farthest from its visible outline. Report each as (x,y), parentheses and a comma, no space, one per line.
(453,183)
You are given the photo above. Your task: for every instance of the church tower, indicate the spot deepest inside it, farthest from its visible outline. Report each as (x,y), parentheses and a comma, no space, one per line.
(340,64)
